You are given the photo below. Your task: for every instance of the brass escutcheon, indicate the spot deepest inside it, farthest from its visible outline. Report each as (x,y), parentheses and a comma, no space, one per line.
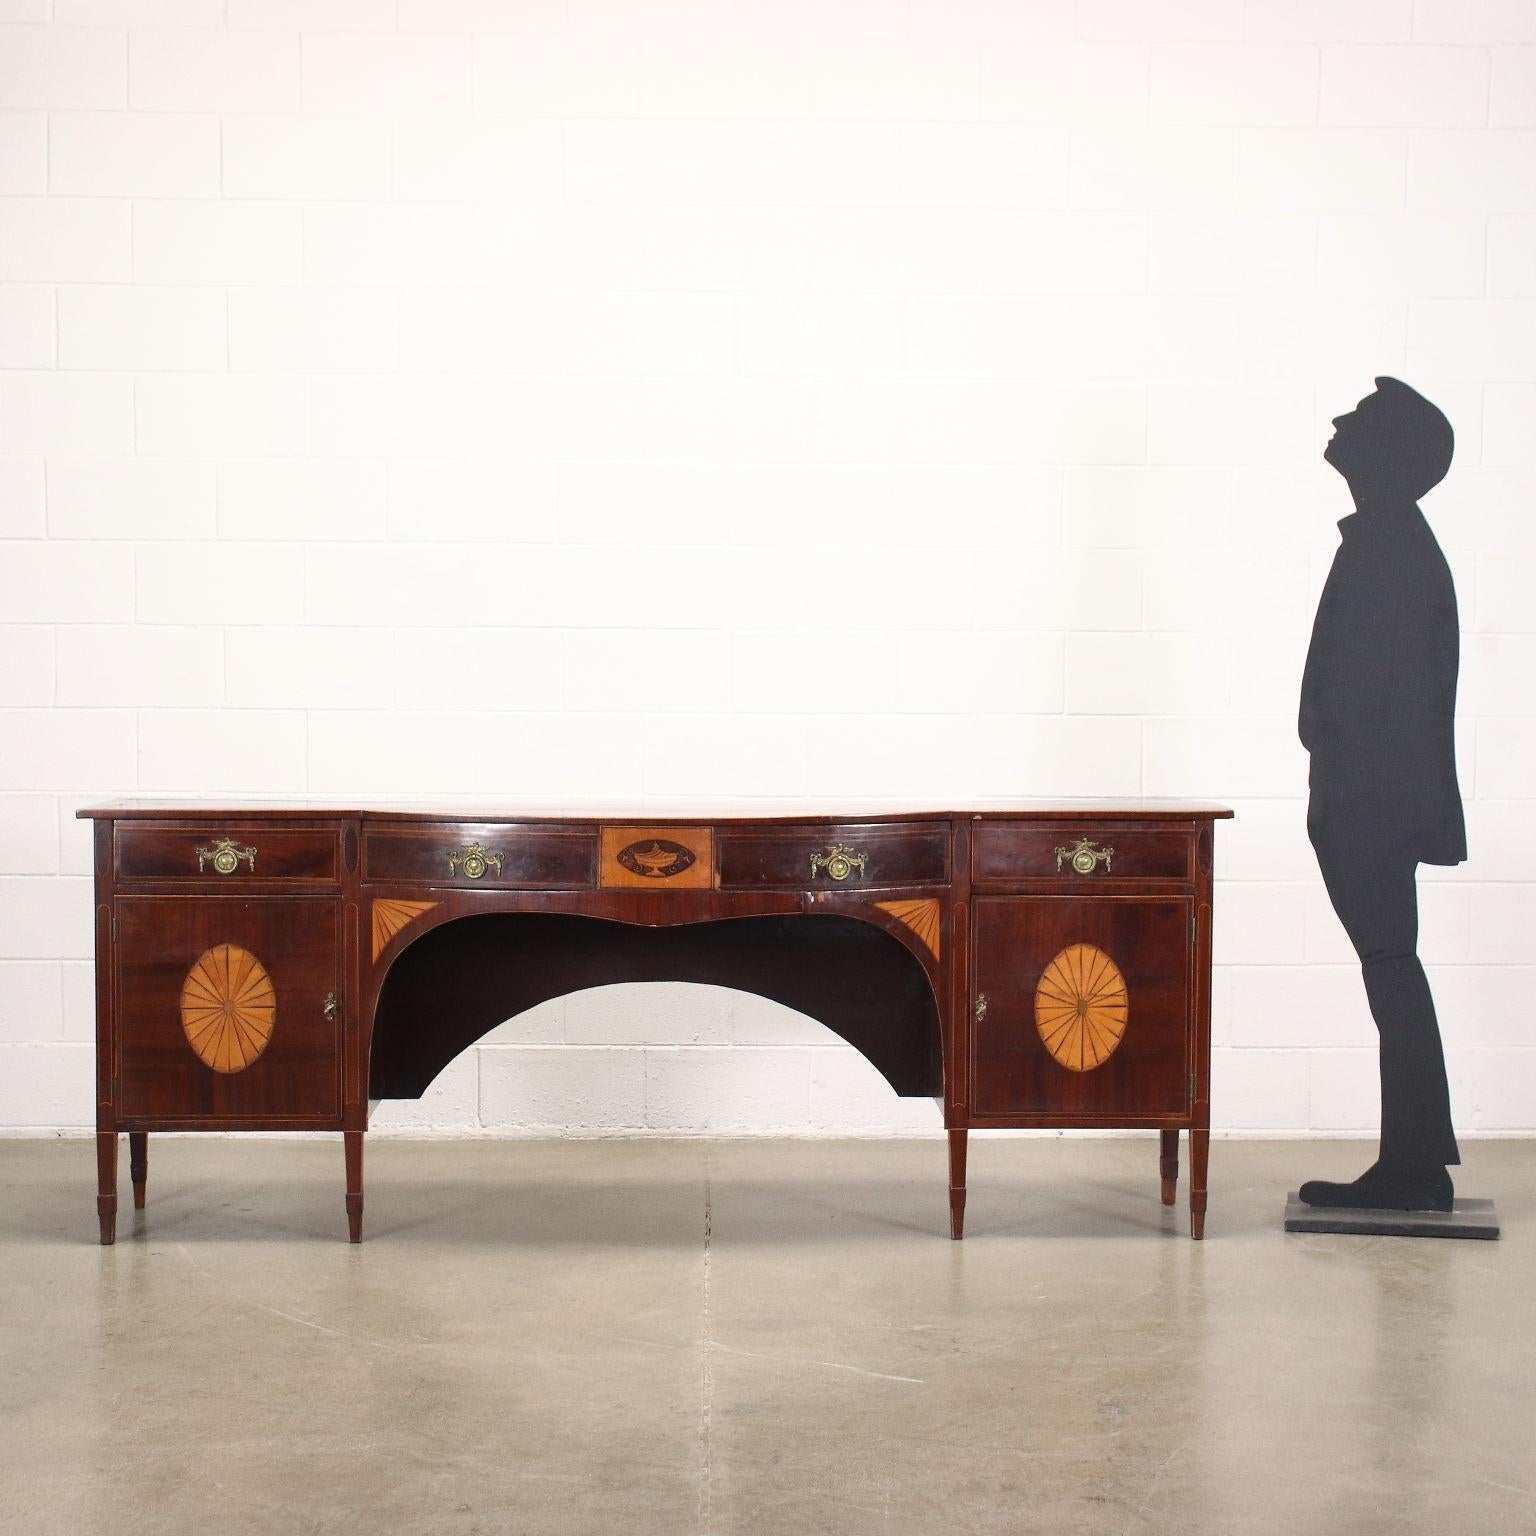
(225,856)
(328,1007)
(981,1006)
(473,860)
(1084,857)
(839,861)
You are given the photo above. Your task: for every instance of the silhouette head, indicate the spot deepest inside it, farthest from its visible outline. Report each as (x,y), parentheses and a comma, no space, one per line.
(1394,445)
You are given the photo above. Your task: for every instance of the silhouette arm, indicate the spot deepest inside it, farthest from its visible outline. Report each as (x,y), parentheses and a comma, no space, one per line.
(1353,701)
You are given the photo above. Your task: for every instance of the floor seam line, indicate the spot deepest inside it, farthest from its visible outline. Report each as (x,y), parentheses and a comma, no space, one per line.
(706,1370)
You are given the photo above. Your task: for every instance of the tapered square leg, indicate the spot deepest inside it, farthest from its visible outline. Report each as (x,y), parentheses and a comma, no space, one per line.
(106,1185)
(1199,1156)
(1168,1164)
(353,1141)
(138,1165)
(957,1143)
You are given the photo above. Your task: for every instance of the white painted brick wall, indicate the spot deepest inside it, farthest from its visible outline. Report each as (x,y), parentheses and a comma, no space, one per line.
(450,326)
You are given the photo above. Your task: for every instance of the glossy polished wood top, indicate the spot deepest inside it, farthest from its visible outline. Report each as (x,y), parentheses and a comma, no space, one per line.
(683,812)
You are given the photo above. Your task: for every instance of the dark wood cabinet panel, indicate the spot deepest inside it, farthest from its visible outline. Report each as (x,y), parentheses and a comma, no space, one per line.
(490,854)
(848,856)
(1087,1007)
(228,1009)
(230,853)
(1078,852)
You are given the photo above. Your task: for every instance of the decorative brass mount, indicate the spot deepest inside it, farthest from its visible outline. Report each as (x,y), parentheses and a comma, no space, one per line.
(225,856)
(839,861)
(474,860)
(981,1006)
(1084,857)
(328,1008)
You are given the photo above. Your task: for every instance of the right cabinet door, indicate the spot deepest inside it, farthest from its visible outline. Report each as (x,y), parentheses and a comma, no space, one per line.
(1081,1007)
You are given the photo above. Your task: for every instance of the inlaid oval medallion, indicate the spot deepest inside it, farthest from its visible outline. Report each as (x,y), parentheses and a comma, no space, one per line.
(656,858)
(228,1008)
(1081,1007)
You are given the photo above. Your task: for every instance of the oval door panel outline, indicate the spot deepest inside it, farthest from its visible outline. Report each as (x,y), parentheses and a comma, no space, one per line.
(228,1008)
(1081,1007)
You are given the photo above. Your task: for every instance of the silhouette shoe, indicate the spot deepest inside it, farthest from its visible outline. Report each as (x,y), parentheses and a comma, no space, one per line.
(1385,1188)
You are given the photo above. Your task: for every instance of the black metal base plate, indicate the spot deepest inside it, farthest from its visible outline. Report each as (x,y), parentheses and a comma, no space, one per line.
(1466,1218)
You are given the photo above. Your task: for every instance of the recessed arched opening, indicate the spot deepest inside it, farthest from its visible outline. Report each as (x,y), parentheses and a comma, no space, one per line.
(458,981)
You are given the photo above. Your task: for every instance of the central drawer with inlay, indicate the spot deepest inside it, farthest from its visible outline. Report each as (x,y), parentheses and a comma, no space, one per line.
(656,857)
(872,854)
(499,854)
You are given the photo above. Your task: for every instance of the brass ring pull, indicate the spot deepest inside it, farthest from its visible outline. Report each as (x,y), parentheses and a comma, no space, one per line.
(328,1008)
(473,860)
(225,856)
(839,861)
(1084,857)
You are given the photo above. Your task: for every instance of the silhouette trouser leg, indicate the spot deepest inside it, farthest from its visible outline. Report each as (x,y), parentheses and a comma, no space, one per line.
(1375,894)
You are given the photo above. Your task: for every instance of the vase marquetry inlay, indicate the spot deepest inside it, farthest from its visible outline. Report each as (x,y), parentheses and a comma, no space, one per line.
(228,1008)
(1081,1007)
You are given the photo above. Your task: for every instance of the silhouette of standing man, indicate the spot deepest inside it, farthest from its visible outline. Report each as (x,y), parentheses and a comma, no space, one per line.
(1378,703)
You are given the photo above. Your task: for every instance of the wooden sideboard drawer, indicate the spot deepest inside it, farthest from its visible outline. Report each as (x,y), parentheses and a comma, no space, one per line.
(237,853)
(499,855)
(833,857)
(1013,851)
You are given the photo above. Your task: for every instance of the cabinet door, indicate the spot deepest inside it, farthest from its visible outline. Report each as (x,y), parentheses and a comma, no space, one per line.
(222,1009)
(1087,1011)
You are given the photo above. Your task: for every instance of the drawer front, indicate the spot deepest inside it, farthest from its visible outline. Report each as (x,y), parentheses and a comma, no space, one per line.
(220,852)
(469,854)
(834,858)
(226,1009)
(1070,850)
(658,858)
(1081,1006)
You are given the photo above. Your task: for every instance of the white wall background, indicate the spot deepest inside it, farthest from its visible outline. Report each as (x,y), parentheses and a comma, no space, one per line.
(667,398)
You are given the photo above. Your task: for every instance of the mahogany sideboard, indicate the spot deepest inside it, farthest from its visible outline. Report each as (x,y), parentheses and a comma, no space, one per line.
(283,967)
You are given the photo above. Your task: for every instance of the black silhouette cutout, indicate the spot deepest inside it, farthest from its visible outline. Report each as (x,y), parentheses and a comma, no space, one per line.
(1378,703)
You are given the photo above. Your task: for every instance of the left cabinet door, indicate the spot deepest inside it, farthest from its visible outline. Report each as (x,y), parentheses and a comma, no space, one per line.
(227,1011)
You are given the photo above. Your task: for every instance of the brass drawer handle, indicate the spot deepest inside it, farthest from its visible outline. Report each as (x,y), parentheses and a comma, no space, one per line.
(1084,857)
(839,861)
(328,1008)
(473,860)
(225,856)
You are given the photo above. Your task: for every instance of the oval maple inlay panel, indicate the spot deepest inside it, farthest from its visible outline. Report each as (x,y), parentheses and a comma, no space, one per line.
(228,1008)
(655,858)
(1081,1007)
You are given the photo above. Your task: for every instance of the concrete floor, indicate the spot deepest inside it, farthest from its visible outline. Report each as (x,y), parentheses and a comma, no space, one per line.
(693,1337)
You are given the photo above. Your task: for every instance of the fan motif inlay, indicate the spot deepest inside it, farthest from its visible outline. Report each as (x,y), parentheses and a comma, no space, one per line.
(228,1008)
(390,916)
(1081,1007)
(922,917)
